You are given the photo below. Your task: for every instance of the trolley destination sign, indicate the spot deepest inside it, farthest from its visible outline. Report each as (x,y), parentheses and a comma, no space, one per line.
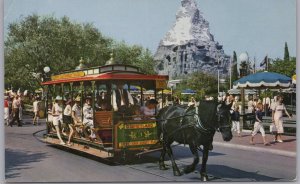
(136,134)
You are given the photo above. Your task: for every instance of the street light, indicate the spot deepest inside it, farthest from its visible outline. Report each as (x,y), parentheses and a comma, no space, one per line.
(46,70)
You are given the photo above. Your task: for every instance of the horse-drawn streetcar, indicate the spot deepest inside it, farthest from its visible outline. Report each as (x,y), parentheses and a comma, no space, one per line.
(113,115)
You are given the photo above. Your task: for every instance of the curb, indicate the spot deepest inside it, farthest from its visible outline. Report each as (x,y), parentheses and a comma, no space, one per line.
(256,149)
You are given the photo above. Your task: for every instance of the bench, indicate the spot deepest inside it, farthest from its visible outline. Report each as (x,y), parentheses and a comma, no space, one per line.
(103,119)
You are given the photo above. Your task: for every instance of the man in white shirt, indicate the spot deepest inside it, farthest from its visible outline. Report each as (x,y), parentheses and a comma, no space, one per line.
(15,111)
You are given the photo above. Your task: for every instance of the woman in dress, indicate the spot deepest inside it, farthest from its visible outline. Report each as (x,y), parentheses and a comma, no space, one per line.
(277,118)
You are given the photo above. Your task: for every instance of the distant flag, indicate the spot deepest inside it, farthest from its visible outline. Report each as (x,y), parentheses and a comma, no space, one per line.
(254,69)
(263,62)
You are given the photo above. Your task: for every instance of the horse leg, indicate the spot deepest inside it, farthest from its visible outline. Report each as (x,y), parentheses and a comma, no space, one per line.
(162,165)
(176,171)
(203,174)
(191,168)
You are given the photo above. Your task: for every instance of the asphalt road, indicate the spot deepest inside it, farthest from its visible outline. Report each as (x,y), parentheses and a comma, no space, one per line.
(29,160)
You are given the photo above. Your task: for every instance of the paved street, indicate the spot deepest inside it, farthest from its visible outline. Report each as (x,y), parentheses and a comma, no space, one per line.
(29,160)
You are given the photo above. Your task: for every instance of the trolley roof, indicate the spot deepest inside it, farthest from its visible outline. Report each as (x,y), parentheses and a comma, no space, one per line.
(106,72)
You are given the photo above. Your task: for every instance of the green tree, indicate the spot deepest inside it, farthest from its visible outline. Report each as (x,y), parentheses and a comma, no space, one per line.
(286,67)
(35,42)
(286,52)
(134,55)
(202,83)
(234,69)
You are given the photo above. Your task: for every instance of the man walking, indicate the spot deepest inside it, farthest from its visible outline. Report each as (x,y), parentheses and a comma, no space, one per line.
(15,111)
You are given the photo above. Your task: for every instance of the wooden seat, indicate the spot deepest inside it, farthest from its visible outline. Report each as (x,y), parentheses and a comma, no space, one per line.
(103,119)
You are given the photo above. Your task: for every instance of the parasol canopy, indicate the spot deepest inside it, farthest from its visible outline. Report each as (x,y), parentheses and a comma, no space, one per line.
(263,79)
(166,91)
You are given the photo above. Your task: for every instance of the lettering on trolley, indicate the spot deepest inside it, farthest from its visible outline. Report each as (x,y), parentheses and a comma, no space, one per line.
(136,143)
(68,75)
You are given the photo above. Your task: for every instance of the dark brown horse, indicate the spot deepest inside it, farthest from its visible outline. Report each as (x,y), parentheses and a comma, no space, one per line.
(192,127)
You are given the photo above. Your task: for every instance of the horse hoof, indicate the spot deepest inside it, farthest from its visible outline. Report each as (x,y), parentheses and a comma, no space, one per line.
(188,170)
(177,173)
(163,167)
(204,177)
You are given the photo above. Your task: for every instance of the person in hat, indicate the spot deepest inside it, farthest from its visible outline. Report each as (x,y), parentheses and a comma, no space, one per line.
(88,118)
(57,116)
(36,110)
(67,117)
(88,114)
(76,118)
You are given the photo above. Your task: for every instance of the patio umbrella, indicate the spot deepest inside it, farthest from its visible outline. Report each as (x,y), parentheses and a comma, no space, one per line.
(166,91)
(132,88)
(188,92)
(263,80)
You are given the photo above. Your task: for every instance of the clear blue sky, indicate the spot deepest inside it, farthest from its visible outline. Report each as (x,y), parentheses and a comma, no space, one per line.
(259,27)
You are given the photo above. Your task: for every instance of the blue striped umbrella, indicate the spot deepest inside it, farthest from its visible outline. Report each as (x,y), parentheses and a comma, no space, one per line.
(263,79)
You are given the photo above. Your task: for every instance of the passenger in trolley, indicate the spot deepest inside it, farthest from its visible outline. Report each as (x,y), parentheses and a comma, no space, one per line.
(88,120)
(76,116)
(57,116)
(149,109)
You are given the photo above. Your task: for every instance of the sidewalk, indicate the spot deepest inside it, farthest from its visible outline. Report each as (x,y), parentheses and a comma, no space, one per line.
(287,148)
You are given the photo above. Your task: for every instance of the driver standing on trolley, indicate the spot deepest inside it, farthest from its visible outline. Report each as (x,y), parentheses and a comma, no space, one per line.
(121,98)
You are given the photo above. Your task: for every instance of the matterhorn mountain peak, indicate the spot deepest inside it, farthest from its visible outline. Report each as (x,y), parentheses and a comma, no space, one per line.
(189,46)
(189,25)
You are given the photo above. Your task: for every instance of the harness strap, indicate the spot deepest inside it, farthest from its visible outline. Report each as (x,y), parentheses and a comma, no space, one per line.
(199,126)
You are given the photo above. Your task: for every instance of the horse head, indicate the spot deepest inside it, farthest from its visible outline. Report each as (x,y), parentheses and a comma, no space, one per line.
(223,121)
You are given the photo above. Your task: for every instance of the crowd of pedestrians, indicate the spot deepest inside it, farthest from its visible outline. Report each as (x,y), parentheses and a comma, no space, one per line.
(13,109)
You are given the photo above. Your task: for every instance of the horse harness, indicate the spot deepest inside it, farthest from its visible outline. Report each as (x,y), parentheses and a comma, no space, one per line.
(198,125)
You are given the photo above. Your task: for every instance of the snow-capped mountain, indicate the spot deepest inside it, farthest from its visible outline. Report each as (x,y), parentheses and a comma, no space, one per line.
(189,25)
(189,46)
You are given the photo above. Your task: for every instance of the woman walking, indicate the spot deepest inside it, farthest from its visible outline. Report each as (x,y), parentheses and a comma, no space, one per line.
(277,118)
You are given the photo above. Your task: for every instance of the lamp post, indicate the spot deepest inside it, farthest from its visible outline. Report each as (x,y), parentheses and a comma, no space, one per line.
(218,81)
(46,70)
(218,68)
(45,77)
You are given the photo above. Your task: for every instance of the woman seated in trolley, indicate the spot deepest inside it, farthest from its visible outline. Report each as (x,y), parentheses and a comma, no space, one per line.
(149,109)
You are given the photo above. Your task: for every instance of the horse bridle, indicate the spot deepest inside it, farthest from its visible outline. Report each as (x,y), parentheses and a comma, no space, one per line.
(219,117)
